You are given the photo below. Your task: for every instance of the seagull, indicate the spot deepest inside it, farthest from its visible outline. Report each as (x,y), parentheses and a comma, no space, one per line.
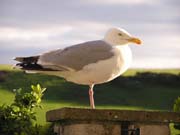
(88,63)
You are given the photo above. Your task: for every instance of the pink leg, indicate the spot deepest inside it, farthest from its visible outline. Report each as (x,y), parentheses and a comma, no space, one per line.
(91,97)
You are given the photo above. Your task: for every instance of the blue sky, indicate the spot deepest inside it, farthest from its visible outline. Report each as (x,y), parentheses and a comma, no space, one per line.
(29,27)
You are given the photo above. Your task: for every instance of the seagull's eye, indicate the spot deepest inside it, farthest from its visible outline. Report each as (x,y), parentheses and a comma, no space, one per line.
(119,34)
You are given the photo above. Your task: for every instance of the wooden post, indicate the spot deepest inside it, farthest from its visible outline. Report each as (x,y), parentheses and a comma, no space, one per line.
(75,121)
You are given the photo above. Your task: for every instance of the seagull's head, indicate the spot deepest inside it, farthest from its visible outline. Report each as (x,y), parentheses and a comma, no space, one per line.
(117,36)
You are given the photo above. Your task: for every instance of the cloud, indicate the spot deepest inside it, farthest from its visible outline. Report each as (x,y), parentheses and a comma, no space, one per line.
(121,2)
(156,62)
(51,36)
(31,27)
(15,33)
(42,12)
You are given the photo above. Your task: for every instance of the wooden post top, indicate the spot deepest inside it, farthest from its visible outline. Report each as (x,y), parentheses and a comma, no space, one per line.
(79,114)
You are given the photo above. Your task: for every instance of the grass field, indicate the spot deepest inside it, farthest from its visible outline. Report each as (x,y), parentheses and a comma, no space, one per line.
(136,89)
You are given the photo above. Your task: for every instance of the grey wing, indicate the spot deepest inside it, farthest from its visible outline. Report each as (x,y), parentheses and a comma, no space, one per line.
(77,56)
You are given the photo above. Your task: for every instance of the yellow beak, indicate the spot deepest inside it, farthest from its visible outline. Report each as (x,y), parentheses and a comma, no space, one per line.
(135,40)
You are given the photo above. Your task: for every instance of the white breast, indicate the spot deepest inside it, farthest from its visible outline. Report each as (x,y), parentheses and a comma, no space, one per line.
(126,57)
(105,70)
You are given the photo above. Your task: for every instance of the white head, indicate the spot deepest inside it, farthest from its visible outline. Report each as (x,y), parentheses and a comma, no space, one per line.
(116,36)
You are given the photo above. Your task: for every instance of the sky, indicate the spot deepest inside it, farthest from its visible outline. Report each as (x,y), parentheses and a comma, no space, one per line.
(30,27)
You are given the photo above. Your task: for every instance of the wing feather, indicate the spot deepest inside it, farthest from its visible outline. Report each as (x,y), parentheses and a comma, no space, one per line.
(77,56)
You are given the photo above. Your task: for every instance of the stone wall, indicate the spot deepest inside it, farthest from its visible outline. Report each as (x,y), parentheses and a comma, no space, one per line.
(74,121)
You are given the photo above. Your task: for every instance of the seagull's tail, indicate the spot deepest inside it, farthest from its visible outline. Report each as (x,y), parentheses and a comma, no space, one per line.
(28,63)
(31,59)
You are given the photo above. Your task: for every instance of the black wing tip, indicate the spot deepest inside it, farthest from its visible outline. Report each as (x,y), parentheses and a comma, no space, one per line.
(31,59)
(33,67)
(31,63)
(29,66)
(27,63)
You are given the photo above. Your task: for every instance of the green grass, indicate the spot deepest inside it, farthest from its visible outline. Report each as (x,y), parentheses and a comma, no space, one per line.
(156,90)
(6,67)
(132,72)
